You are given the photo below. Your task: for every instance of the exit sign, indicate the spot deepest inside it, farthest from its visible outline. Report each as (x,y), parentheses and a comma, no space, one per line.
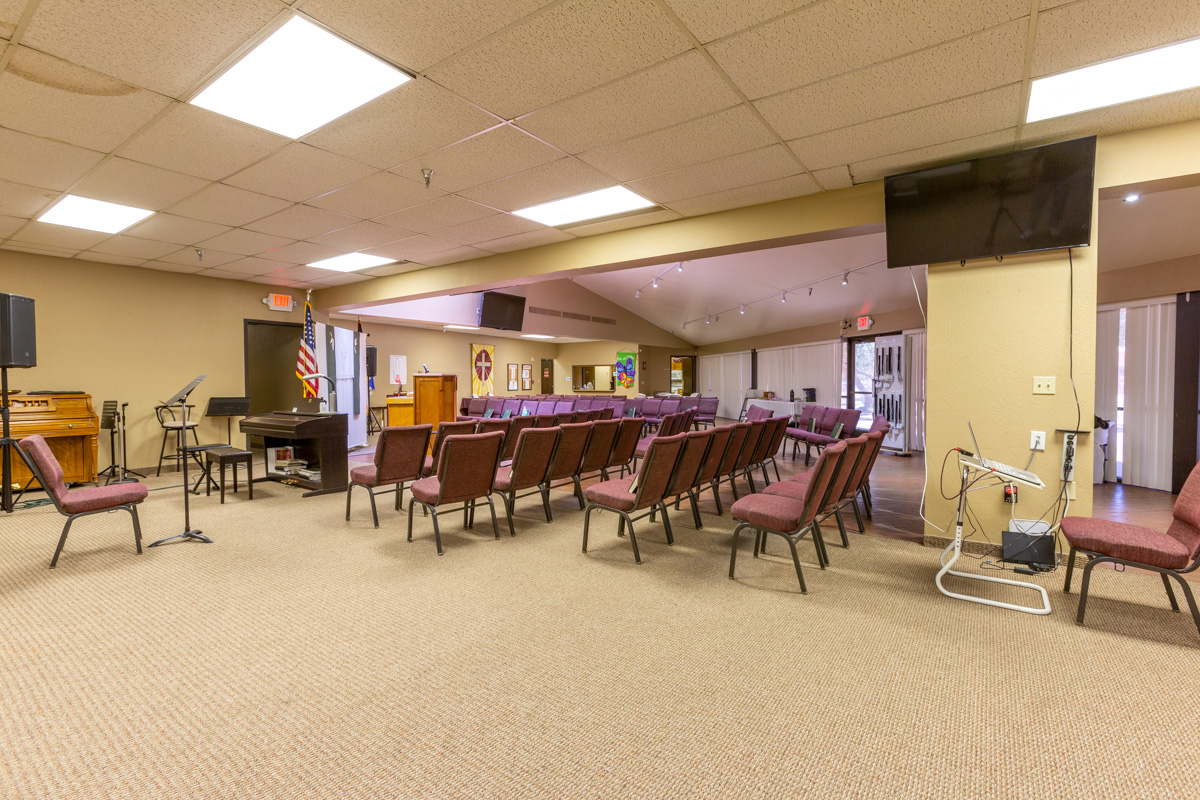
(864,323)
(279,302)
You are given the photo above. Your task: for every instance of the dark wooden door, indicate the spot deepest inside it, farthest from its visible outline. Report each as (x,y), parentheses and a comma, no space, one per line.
(547,376)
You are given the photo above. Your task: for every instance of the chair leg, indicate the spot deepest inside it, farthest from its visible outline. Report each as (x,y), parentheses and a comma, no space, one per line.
(621,526)
(1083,590)
(775,466)
(1191,600)
(399,495)
(632,539)
(437,535)
(841,523)
(587,518)
(695,508)
(807,453)
(578,491)
(716,487)
(766,475)
(410,508)
(162,452)
(666,524)
(492,506)
(1170,593)
(796,562)
(858,517)
(819,544)
(349,491)
(61,541)
(733,485)
(546,501)
(509,502)
(862,492)
(760,543)
(737,534)
(750,480)
(374,513)
(137,528)
(1070,571)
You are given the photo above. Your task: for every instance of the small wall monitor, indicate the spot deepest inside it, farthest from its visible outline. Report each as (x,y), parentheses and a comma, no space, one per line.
(1034,199)
(504,312)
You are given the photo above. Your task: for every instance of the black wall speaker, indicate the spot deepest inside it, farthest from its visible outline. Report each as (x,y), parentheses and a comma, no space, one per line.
(370,361)
(18,343)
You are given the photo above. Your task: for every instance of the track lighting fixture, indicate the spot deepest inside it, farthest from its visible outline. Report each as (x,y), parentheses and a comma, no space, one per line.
(783,297)
(708,320)
(743,311)
(679,267)
(655,283)
(637,294)
(810,291)
(845,278)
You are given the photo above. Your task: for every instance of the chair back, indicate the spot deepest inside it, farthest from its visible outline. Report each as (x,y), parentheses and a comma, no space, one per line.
(716,452)
(166,413)
(544,421)
(512,406)
(708,407)
(600,445)
(856,449)
(585,403)
(1185,523)
(528,407)
(806,414)
(689,417)
(514,431)
(657,468)
(688,403)
(882,427)
(50,473)
(534,455)
(467,466)
(755,413)
(627,441)
(450,429)
(849,419)
(476,406)
(859,476)
(669,426)
(824,474)
(606,412)
(400,453)
(493,424)
(757,427)
(828,418)
(636,403)
(564,406)
(545,407)
(776,428)
(670,405)
(691,458)
(572,442)
(651,407)
(494,405)
(737,443)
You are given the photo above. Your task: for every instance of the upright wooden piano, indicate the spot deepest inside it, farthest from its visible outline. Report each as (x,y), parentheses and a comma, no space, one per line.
(71,429)
(319,439)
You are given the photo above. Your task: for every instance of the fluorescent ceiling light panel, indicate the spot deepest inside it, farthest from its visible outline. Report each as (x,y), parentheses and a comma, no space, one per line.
(93,215)
(351,262)
(1154,72)
(601,203)
(297,79)
(535,336)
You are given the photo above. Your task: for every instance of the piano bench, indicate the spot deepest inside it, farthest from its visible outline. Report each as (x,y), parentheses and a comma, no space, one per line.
(228,455)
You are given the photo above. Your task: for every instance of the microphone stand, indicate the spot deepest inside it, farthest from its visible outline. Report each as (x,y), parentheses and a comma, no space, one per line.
(331,403)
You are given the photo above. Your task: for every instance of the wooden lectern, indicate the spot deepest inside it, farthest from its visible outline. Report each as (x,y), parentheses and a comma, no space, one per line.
(435,398)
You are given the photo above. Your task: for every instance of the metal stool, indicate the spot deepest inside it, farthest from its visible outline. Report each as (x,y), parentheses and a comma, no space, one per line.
(166,418)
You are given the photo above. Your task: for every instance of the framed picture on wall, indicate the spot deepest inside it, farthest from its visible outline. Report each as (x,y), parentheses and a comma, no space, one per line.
(526,377)
(512,377)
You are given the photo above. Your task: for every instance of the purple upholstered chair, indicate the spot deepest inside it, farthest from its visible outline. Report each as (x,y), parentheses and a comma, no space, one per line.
(528,407)
(545,407)
(80,502)
(1172,554)
(564,406)
(476,406)
(494,405)
(511,408)
(585,403)
(651,411)
(690,402)
(706,411)
(466,472)
(670,405)
(607,413)
(399,458)
(637,404)
(529,470)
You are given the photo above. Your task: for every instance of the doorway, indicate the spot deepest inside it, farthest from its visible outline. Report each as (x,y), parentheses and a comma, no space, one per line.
(547,376)
(858,370)
(683,375)
(270,353)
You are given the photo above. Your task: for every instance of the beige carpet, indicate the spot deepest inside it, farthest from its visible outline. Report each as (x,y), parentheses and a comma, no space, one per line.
(301,656)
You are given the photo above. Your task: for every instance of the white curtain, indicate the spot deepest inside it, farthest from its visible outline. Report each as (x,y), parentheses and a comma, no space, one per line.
(916,390)
(726,377)
(1149,395)
(813,366)
(1108,334)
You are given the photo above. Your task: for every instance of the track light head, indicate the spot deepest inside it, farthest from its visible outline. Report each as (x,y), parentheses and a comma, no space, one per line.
(845,278)
(810,291)
(783,297)
(637,294)
(655,283)
(743,309)
(708,320)
(679,267)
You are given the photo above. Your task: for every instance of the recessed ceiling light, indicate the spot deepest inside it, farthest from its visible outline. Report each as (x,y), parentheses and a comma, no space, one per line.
(297,79)
(459,328)
(601,203)
(351,262)
(1132,198)
(93,215)
(1154,72)
(535,336)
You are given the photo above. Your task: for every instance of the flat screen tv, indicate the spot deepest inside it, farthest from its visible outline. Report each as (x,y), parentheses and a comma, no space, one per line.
(504,312)
(1034,199)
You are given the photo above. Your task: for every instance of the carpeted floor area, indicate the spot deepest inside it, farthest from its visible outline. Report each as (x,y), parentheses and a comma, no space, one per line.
(301,656)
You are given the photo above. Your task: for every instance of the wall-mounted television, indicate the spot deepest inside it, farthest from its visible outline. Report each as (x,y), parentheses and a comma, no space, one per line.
(504,312)
(1035,199)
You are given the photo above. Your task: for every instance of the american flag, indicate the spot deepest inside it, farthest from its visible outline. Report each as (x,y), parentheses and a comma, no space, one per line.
(306,362)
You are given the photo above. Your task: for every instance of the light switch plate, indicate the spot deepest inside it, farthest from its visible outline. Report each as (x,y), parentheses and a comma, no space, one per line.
(1043,384)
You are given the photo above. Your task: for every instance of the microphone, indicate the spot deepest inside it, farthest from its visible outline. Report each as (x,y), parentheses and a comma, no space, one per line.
(316,375)
(426,367)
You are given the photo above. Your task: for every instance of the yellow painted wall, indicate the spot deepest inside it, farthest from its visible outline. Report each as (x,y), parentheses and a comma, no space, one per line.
(885,322)
(1150,280)
(591,353)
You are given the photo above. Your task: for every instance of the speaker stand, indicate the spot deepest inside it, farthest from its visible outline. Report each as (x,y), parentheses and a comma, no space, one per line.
(7,446)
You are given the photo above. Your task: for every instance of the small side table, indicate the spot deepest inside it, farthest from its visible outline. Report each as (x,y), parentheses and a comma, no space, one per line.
(228,455)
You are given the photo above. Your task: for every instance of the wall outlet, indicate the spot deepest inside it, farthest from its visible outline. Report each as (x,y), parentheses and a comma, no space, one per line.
(1043,384)
(1037,440)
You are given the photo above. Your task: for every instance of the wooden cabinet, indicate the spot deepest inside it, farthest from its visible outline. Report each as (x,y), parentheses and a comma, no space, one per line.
(399,411)
(70,426)
(435,399)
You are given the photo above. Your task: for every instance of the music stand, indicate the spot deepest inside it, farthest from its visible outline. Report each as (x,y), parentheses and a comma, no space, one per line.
(181,398)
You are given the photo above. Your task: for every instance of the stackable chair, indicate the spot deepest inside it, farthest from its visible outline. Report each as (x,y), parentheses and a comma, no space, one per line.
(1172,554)
(511,408)
(466,472)
(858,478)
(670,405)
(789,518)
(705,478)
(706,411)
(544,421)
(690,403)
(642,491)
(572,443)
(626,445)
(741,467)
(476,406)
(545,407)
(740,432)
(651,410)
(668,426)
(399,459)
(487,425)
(530,469)
(882,427)
(772,435)
(80,502)
(755,413)
(600,448)
(517,425)
(632,407)
(565,418)
(687,471)
(606,413)
(778,431)
(446,429)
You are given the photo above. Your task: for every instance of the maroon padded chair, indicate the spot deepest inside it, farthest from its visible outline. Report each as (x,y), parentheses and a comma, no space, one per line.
(777,434)
(585,403)
(789,518)
(81,502)
(514,430)
(883,427)
(640,492)
(721,437)
(626,445)
(466,472)
(476,406)
(737,443)
(607,413)
(572,444)
(544,421)
(399,459)
(566,418)
(706,411)
(530,469)
(687,472)
(755,413)
(446,429)
(689,403)
(599,448)
(742,466)
(772,435)
(1172,554)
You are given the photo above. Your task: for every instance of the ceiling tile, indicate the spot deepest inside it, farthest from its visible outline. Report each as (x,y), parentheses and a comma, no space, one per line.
(44,250)
(8,225)
(567,49)
(10,15)
(305,253)
(140,185)
(620,224)
(228,206)
(402,124)
(272,280)
(392,269)
(222,274)
(418,35)
(730,172)
(666,94)
(453,256)
(298,172)
(133,247)
(834,177)
(520,241)
(827,39)
(734,130)
(198,142)
(965,66)
(958,119)
(255,266)
(376,195)
(190,258)
(301,222)
(305,273)
(163,266)
(106,258)
(1149,113)
(19,200)
(34,161)
(492,227)
(244,242)
(441,213)
(1083,33)
(563,178)
(162,45)
(768,192)
(893,164)
(47,97)
(177,230)
(361,235)
(708,20)
(341,278)
(42,233)
(412,248)
(495,154)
